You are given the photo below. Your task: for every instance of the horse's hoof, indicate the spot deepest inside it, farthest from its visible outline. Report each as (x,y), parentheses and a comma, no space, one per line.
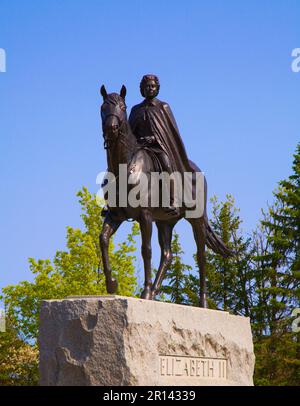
(112,286)
(147,293)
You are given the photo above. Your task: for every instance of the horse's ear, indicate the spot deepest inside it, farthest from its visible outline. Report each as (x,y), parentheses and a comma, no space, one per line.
(103,92)
(123,92)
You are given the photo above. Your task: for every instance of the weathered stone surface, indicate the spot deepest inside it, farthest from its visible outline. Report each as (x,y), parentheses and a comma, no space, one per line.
(115,340)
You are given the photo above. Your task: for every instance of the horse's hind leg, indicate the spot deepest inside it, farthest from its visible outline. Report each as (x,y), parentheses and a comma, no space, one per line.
(199,235)
(165,239)
(108,229)
(145,221)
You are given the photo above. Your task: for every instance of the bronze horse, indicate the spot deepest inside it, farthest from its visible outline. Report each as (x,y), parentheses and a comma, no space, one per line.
(122,148)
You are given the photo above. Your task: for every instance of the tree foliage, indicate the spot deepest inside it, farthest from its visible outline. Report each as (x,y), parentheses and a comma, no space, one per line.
(229,280)
(277,259)
(74,271)
(175,284)
(18,360)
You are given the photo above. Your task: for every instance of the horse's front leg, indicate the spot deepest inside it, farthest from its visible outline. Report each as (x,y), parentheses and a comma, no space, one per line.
(145,221)
(108,229)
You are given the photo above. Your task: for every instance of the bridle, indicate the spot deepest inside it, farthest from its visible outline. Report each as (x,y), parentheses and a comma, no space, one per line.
(113,110)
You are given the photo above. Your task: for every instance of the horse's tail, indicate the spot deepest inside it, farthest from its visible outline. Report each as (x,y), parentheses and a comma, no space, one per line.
(214,242)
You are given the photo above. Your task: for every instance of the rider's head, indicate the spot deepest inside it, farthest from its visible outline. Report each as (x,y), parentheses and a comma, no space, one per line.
(149,86)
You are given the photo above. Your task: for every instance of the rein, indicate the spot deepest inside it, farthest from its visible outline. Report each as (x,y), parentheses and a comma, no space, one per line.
(107,142)
(109,145)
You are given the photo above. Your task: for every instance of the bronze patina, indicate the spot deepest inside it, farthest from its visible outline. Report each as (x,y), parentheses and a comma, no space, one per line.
(150,142)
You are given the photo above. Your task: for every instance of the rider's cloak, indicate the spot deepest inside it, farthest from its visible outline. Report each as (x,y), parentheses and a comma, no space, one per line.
(156,116)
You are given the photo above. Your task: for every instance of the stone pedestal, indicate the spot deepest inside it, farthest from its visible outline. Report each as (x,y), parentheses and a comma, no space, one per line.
(115,340)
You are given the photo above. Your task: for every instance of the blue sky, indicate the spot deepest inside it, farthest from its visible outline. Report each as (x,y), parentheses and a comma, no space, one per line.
(225,70)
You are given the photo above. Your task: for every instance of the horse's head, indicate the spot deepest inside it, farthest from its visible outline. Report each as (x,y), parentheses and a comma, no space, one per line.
(113,114)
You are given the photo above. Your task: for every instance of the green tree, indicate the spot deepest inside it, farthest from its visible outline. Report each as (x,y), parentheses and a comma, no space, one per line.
(229,280)
(277,259)
(18,360)
(175,285)
(282,227)
(286,235)
(275,284)
(75,271)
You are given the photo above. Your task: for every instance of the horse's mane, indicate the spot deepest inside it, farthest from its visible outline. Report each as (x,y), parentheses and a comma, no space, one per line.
(114,99)
(130,137)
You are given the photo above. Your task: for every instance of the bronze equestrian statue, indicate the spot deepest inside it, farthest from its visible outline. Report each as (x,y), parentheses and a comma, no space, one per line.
(150,142)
